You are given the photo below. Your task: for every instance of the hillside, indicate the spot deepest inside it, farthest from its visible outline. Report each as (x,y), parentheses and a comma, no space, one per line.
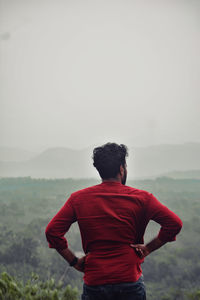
(190,174)
(144,162)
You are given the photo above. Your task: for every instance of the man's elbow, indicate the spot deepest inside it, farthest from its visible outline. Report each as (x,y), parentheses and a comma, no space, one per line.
(55,239)
(49,232)
(179,225)
(168,233)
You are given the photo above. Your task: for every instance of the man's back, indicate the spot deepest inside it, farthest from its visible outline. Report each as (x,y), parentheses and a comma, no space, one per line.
(111,216)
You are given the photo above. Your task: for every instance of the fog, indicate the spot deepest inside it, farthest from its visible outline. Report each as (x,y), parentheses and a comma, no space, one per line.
(80,73)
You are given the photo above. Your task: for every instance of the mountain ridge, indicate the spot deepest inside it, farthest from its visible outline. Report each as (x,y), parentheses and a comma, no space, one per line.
(64,162)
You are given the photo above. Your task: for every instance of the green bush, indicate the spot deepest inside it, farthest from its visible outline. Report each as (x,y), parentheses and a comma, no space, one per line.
(34,289)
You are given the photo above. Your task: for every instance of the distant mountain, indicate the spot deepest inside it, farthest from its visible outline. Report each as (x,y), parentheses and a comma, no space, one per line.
(155,160)
(190,174)
(52,163)
(60,162)
(142,162)
(15,154)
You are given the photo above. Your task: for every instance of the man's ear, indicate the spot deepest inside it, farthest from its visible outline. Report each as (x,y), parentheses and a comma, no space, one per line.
(121,170)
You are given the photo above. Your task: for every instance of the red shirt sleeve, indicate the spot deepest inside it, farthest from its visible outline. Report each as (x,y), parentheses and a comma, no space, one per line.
(170,223)
(59,225)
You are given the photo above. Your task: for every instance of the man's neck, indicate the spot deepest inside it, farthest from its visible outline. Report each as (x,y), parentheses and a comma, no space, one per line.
(112,179)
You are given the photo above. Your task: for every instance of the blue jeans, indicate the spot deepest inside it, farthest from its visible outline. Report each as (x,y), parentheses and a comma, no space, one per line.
(118,291)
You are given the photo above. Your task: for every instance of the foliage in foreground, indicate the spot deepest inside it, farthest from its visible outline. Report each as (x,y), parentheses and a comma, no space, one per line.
(34,289)
(27,205)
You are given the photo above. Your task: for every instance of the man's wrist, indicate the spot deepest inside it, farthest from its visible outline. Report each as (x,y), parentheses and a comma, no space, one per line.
(155,244)
(74,261)
(148,249)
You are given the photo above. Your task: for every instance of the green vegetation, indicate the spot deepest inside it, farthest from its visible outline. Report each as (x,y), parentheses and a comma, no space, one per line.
(26,207)
(34,289)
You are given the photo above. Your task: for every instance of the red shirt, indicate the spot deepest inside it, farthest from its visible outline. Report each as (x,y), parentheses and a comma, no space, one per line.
(111,216)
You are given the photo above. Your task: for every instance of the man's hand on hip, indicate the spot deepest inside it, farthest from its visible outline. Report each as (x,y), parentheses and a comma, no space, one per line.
(80,265)
(141,250)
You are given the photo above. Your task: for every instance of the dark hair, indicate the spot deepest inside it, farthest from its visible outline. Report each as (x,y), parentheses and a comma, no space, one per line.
(108,158)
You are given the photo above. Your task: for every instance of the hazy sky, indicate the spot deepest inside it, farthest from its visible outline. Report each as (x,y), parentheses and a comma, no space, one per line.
(77,73)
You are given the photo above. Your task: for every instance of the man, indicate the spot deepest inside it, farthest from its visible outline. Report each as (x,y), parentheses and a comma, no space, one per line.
(112,218)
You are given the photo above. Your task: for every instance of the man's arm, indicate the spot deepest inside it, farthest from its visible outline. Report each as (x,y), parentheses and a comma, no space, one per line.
(143,250)
(170,223)
(56,230)
(69,256)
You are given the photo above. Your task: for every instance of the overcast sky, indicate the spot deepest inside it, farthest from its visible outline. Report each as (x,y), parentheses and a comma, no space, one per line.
(76,73)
